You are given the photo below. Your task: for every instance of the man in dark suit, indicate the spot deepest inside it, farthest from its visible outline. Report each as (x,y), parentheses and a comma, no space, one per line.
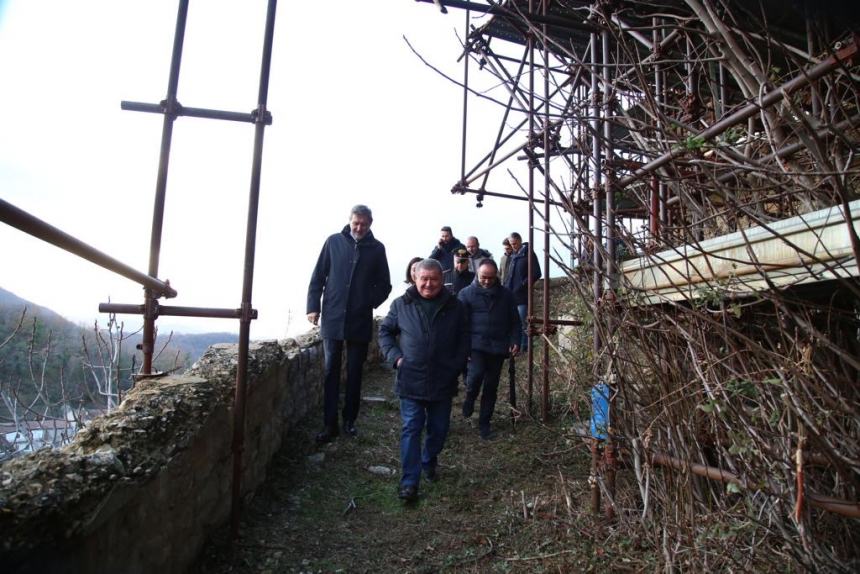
(352,278)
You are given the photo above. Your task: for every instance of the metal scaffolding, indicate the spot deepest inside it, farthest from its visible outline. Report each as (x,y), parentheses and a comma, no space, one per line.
(154,289)
(695,163)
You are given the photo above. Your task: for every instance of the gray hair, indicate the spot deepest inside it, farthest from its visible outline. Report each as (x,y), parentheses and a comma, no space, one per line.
(428,265)
(361,211)
(475,238)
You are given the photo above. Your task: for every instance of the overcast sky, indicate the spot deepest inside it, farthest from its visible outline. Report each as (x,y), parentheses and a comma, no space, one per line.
(357,119)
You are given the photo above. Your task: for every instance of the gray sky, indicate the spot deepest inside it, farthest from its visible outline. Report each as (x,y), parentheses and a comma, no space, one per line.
(357,119)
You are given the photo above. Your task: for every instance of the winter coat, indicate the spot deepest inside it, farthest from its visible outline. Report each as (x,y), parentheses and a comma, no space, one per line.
(475,260)
(433,349)
(494,324)
(352,278)
(455,282)
(517,279)
(503,268)
(445,254)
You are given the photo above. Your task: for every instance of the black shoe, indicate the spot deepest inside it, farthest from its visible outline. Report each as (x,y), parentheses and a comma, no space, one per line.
(328,434)
(349,429)
(408,493)
(488,434)
(468,407)
(431,475)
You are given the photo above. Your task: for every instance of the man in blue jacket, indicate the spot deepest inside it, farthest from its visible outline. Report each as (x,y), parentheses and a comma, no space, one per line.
(517,279)
(424,337)
(494,327)
(352,278)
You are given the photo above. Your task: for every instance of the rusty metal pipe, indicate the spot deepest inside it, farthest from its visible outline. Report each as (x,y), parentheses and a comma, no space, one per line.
(31,225)
(545,406)
(504,12)
(148,342)
(748,111)
(204,113)
(465,99)
(463,190)
(248,277)
(542,321)
(838,506)
(795,147)
(175,311)
(531,233)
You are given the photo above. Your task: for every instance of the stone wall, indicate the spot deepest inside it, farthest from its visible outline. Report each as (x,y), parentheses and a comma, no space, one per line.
(140,489)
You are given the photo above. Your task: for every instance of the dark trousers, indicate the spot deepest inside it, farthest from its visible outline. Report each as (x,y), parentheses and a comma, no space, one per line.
(356,353)
(485,369)
(523,311)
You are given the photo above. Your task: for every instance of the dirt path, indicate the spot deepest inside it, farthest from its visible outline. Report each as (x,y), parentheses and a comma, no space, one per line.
(514,504)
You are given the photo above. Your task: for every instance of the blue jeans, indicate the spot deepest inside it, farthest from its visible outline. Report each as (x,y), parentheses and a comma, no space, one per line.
(356,352)
(414,415)
(485,370)
(524,339)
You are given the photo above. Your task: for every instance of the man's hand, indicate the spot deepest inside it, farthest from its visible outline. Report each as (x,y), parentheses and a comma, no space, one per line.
(515,350)
(314,318)
(397,362)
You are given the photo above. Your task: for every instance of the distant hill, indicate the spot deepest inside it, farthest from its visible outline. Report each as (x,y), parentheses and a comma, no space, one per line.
(66,339)
(9,302)
(194,344)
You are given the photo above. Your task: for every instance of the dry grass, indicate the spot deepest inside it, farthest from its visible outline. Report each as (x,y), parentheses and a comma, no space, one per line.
(515,504)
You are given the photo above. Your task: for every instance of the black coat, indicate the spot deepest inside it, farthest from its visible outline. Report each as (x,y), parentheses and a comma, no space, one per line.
(517,273)
(494,324)
(434,350)
(445,254)
(456,282)
(352,278)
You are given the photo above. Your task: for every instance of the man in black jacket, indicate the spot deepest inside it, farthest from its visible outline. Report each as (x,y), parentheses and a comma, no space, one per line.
(352,278)
(460,276)
(424,337)
(444,250)
(494,327)
(518,280)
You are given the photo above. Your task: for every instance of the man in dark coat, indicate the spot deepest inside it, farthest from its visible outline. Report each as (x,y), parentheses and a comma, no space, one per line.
(460,276)
(517,279)
(352,278)
(494,327)
(424,337)
(444,250)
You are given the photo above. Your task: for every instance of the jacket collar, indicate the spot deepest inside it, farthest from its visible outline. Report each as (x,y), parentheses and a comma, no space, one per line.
(412,296)
(486,292)
(366,240)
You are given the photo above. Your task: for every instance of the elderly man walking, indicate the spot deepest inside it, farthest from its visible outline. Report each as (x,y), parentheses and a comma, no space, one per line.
(424,338)
(494,327)
(352,278)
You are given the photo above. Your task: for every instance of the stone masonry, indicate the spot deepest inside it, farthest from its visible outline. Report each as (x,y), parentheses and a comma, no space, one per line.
(140,489)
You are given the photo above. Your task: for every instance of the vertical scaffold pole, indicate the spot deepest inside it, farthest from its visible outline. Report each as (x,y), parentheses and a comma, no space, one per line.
(170,111)
(248,277)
